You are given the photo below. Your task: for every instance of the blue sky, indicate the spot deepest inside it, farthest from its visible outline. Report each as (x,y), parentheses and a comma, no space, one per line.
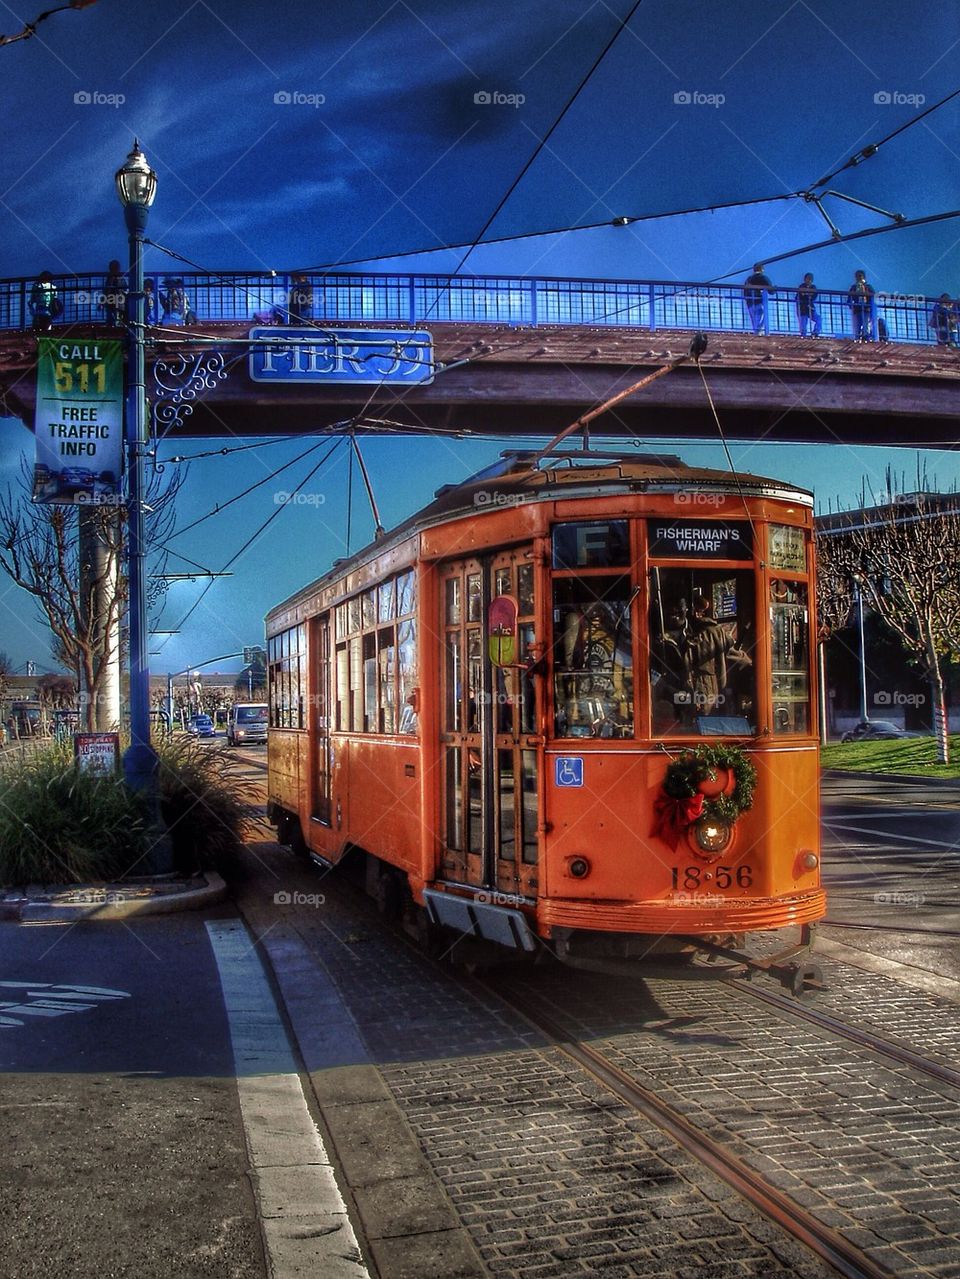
(295,135)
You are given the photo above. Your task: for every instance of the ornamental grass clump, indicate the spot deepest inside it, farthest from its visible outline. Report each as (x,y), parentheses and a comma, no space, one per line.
(59,826)
(205,802)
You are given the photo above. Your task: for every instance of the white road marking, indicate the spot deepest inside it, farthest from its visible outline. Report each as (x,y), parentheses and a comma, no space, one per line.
(303,1217)
(913,839)
(43,999)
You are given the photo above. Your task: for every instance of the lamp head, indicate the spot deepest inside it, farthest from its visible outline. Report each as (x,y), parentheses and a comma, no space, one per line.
(136,181)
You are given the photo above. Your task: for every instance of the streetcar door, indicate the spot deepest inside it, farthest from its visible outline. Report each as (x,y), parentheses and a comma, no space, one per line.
(319,722)
(488,743)
(461,733)
(515,743)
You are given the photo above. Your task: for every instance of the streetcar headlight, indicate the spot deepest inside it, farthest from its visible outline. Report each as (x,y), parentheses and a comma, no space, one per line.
(578,867)
(809,860)
(711,836)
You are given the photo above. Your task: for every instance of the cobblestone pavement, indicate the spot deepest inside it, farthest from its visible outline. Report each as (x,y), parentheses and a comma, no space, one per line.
(552,1174)
(868,1148)
(927,1023)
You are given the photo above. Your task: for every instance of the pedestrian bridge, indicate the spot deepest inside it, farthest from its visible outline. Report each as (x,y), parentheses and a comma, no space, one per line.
(518,355)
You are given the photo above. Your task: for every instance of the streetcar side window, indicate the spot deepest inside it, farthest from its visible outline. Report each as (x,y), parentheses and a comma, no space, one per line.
(789,630)
(593,664)
(702,642)
(376,664)
(287,678)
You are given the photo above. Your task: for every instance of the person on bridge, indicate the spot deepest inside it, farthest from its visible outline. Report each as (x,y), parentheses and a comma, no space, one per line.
(113,299)
(807,313)
(45,306)
(860,302)
(176,308)
(300,307)
(149,303)
(945,321)
(755,296)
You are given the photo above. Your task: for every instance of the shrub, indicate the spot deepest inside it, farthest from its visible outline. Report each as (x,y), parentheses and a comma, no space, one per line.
(60,826)
(204,800)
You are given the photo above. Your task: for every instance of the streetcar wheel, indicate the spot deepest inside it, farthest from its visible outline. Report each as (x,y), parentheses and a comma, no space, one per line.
(389,895)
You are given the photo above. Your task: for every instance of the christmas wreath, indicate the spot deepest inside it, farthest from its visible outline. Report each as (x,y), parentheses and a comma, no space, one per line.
(716,782)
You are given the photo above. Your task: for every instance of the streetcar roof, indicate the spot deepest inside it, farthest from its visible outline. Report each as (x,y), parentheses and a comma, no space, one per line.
(585,473)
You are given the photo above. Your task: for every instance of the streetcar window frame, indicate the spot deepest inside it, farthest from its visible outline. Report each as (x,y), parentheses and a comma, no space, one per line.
(374,671)
(287,678)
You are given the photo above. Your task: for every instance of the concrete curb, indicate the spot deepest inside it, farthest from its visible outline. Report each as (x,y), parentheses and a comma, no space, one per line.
(856,774)
(929,982)
(107,902)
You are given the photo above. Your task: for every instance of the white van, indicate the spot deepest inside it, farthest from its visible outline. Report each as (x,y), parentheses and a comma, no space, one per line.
(247,723)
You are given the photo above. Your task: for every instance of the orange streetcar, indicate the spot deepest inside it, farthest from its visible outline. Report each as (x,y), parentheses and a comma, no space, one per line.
(567,705)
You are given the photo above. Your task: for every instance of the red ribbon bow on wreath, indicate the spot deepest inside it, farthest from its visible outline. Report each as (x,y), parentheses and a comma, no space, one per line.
(672,816)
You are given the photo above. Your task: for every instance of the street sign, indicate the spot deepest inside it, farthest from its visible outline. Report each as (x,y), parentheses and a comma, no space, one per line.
(371,356)
(97,754)
(79,422)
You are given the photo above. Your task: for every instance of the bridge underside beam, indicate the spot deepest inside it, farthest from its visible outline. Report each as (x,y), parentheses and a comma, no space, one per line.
(536,381)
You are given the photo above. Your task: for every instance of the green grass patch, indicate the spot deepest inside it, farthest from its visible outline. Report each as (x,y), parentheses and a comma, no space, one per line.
(916,756)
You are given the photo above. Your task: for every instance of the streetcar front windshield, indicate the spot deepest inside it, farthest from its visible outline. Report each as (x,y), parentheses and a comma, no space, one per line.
(702,642)
(593,639)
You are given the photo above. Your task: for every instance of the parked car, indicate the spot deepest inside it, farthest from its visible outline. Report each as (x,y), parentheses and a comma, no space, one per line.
(201,726)
(247,723)
(877,730)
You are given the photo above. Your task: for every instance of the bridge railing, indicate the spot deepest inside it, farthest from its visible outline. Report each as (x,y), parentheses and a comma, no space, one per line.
(244,297)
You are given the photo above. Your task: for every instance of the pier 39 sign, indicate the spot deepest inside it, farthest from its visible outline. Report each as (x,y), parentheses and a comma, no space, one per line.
(315,354)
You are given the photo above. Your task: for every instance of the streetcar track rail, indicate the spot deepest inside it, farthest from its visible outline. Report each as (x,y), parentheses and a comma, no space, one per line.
(879,1044)
(890,928)
(827,1243)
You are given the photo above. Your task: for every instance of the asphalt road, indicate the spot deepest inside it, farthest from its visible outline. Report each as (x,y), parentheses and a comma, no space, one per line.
(123,1150)
(891,866)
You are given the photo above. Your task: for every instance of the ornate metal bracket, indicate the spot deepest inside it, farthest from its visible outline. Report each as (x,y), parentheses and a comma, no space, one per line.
(179,382)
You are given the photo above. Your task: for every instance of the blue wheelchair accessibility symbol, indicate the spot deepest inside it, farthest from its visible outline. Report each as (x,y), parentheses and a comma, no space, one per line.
(569,771)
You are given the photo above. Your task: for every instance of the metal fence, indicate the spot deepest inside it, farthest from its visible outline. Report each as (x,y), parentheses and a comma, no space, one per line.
(243,297)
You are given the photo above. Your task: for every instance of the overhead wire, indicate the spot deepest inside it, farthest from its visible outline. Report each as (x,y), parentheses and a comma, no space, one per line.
(222,506)
(253,537)
(726,449)
(871,149)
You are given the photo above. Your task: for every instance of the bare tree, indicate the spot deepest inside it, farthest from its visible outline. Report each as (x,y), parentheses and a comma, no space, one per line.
(904,554)
(6,671)
(81,594)
(56,692)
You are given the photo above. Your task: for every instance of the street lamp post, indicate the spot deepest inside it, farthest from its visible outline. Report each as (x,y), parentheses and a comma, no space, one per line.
(137,187)
(863,650)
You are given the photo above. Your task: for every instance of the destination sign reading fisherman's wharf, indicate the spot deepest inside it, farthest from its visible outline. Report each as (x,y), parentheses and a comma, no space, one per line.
(700,539)
(370,356)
